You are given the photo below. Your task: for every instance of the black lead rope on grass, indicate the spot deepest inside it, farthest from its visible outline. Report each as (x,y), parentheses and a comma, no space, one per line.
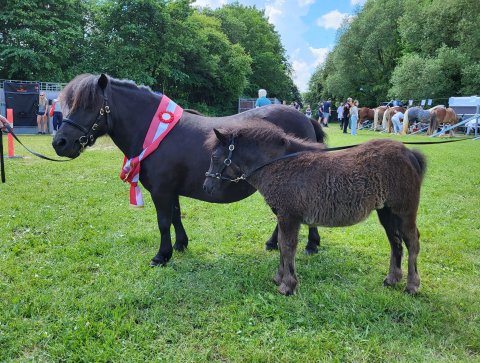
(2,165)
(10,130)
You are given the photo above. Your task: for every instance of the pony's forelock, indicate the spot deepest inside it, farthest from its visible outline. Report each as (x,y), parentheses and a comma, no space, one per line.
(80,93)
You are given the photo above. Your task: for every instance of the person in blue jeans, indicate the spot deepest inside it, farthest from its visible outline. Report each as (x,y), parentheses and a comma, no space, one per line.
(262,99)
(327,111)
(56,113)
(354,118)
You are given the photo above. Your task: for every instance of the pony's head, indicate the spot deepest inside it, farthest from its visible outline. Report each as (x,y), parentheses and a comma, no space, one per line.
(237,151)
(86,112)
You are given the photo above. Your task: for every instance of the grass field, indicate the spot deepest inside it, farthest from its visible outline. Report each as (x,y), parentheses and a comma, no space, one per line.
(76,286)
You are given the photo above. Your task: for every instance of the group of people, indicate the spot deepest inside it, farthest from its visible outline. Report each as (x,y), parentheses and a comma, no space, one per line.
(348,115)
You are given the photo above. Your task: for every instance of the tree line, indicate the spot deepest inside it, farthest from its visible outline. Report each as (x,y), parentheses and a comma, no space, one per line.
(202,58)
(405,49)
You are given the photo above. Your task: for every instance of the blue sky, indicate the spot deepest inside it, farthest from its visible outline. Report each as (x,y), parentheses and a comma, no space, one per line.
(307,28)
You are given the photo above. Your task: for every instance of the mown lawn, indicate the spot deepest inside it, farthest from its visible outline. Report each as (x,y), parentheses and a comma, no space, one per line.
(76,286)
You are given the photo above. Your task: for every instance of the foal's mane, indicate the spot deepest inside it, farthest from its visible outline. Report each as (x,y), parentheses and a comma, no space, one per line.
(83,92)
(258,130)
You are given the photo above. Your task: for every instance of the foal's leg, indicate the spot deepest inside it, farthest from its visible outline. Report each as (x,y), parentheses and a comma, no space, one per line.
(411,237)
(391,223)
(311,247)
(164,206)
(181,238)
(288,239)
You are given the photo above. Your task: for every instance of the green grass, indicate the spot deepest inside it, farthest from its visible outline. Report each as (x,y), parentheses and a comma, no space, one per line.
(75,284)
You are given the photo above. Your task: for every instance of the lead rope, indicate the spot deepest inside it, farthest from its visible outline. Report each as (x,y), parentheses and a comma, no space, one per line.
(2,165)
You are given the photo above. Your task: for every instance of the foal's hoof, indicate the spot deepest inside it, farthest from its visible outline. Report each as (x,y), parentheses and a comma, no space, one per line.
(277,279)
(389,282)
(411,289)
(285,290)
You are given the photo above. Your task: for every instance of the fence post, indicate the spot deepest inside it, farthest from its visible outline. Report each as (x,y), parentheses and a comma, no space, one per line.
(11,146)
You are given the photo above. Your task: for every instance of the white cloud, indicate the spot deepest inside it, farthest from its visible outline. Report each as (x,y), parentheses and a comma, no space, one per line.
(303,3)
(212,4)
(332,20)
(357,2)
(274,11)
(303,70)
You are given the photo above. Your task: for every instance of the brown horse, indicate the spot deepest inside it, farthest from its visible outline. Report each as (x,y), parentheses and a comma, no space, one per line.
(387,117)
(378,115)
(380,174)
(364,114)
(441,115)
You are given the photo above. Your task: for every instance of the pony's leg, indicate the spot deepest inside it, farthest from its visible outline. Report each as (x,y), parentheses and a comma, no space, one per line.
(391,224)
(272,243)
(411,237)
(288,239)
(313,241)
(164,206)
(181,238)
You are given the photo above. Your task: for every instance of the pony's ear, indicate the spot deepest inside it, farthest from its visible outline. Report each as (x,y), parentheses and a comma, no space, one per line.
(103,81)
(223,138)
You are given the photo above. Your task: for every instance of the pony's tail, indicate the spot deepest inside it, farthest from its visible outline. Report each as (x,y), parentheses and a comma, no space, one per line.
(405,123)
(419,161)
(319,133)
(375,119)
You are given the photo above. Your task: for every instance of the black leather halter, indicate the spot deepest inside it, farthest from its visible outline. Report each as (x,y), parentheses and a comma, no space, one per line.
(244,175)
(89,137)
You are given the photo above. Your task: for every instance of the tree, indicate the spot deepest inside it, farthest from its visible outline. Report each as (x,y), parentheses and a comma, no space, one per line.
(249,27)
(41,40)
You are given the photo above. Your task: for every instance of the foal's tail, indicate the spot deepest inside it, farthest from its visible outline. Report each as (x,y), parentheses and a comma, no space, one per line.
(319,133)
(419,161)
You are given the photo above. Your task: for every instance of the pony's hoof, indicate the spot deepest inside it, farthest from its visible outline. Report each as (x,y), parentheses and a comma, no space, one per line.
(179,247)
(269,246)
(311,250)
(158,261)
(285,290)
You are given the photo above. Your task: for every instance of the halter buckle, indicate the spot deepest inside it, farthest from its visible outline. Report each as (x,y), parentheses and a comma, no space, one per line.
(83,143)
(107,109)
(227,162)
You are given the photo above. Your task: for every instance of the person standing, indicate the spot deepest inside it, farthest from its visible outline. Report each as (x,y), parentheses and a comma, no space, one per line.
(346,114)
(42,113)
(340,115)
(397,122)
(262,99)
(56,113)
(327,111)
(308,112)
(354,118)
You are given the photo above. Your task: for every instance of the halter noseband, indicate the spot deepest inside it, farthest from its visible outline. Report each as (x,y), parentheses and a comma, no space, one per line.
(226,163)
(89,138)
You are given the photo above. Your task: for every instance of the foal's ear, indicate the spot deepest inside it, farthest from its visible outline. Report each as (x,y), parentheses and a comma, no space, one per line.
(223,138)
(103,81)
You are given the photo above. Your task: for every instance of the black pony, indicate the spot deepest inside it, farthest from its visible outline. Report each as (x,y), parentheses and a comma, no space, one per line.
(97,105)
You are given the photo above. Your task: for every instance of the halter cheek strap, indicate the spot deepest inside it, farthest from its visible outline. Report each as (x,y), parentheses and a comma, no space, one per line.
(89,137)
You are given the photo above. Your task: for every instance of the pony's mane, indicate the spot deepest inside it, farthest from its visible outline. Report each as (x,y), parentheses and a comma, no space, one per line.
(257,130)
(83,92)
